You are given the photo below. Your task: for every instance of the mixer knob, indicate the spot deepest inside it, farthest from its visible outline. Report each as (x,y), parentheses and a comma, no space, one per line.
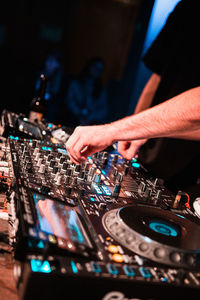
(116,190)
(92,171)
(147,193)
(68,172)
(74,181)
(126,169)
(50,157)
(119,177)
(36,150)
(115,158)
(58,179)
(28,166)
(87,166)
(39,162)
(42,168)
(34,144)
(58,155)
(141,188)
(82,174)
(55,170)
(102,205)
(104,154)
(52,164)
(65,166)
(47,152)
(104,161)
(77,168)
(67,179)
(62,159)
(68,191)
(114,172)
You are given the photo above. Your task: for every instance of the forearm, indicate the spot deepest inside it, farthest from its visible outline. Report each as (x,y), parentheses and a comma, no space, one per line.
(177,117)
(148,93)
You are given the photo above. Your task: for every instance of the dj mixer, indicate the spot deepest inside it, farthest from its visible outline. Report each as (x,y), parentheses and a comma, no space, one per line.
(105,229)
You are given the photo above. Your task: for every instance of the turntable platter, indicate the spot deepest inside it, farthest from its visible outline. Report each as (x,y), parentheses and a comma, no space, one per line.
(160,235)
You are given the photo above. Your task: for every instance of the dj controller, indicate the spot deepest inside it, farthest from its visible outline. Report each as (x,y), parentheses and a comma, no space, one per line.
(105,229)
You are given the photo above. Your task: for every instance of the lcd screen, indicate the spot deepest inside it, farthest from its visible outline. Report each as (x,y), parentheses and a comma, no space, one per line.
(60,220)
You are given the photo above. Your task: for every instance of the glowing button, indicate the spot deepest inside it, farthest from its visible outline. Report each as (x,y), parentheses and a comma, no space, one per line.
(40,266)
(113,249)
(117,258)
(52,239)
(135,165)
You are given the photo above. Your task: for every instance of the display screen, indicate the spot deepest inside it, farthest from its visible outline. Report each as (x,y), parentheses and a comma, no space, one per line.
(29,128)
(60,220)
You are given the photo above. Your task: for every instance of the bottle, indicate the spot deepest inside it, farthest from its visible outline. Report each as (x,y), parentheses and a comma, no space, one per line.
(38,105)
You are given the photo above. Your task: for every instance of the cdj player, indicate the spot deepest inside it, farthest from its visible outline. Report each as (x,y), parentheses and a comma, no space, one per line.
(18,125)
(105,229)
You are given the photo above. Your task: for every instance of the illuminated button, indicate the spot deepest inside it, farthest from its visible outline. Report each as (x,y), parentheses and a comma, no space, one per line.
(113,249)
(136,165)
(62,243)
(106,190)
(52,239)
(40,266)
(145,272)
(112,269)
(74,267)
(95,267)
(128,271)
(117,257)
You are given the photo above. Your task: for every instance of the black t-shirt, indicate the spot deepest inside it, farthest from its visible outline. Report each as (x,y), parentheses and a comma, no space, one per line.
(175,56)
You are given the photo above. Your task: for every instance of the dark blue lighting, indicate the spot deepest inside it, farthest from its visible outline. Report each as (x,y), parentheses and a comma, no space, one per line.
(163,228)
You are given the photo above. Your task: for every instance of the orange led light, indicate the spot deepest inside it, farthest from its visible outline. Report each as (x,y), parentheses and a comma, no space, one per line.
(117,257)
(113,249)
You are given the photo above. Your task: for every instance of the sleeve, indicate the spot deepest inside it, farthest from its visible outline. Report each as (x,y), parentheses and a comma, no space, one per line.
(164,46)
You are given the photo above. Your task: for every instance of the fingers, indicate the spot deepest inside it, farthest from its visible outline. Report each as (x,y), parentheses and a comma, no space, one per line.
(74,145)
(127,149)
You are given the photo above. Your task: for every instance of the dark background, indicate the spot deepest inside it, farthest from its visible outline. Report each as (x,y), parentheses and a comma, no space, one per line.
(80,29)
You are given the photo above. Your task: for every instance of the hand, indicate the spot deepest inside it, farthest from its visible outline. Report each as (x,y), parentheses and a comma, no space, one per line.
(128,149)
(87,140)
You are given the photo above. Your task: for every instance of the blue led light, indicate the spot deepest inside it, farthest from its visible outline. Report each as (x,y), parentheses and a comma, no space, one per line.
(74,267)
(164,279)
(145,272)
(92,199)
(136,165)
(40,266)
(163,228)
(46,148)
(103,172)
(50,125)
(14,137)
(38,244)
(128,271)
(112,269)
(63,151)
(95,267)
(180,216)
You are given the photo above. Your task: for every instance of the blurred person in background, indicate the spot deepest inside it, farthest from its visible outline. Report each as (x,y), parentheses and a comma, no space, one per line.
(86,99)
